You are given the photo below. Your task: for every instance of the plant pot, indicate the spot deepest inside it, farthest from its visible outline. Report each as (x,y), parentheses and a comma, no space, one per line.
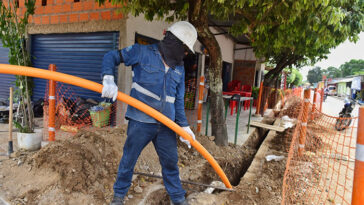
(30,141)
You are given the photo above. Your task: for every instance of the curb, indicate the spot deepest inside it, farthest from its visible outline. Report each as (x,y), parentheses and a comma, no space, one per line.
(259,157)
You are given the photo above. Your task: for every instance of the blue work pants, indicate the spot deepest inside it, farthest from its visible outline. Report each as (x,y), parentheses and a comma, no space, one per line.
(165,143)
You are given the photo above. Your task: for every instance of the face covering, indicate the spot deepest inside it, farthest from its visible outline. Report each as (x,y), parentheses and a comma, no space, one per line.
(172,50)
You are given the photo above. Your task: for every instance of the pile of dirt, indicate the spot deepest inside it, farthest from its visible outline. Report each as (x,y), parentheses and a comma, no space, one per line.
(292,107)
(83,167)
(85,163)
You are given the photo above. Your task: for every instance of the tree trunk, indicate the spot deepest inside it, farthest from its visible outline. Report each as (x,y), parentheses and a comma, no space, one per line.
(272,76)
(198,16)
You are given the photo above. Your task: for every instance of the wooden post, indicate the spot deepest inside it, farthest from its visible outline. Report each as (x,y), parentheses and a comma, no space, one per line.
(259,98)
(52,107)
(10,148)
(314,103)
(358,186)
(200,102)
(303,130)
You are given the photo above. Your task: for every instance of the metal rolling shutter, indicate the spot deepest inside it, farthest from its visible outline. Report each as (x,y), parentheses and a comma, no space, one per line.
(6,81)
(78,54)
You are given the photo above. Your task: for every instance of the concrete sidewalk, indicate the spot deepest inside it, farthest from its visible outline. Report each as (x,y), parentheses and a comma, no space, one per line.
(242,135)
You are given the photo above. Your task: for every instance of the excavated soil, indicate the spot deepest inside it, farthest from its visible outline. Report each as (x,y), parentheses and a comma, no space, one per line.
(292,107)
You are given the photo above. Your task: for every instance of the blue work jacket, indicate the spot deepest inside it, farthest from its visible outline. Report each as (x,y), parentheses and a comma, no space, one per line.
(163,91)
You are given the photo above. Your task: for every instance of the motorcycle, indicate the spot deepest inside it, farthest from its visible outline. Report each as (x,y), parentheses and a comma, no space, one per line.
(344,119)
(326,93)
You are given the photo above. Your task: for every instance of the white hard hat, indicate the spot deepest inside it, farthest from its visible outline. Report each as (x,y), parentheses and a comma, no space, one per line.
(185,32)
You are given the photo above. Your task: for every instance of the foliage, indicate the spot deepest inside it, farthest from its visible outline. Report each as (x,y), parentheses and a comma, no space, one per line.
(298,80)
(352,67)
(314,75)
(361,72)
(283,32)
(13,35)
(332,72)
(294,77)
(21,128)
(291,75)
(255,92)
(298,32)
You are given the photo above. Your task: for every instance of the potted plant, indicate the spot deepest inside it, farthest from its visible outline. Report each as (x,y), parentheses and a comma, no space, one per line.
(13,36)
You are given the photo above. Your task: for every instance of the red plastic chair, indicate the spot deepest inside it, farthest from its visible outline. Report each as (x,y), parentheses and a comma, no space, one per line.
(233,103)
(234,85)
(230,86)
(238,86)
(246,88)
(247,102)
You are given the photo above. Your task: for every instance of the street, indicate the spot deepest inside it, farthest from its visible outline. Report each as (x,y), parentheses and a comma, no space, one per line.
(342,143)
(333,105)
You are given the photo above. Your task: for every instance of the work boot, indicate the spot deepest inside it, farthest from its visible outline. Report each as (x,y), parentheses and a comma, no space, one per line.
(117,201)
(181,203)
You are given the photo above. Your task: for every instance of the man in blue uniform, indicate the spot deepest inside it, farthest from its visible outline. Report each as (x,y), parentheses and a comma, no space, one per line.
(158,80)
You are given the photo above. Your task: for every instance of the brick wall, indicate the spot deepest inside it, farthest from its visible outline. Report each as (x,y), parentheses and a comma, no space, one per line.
(69,11)
(244,71)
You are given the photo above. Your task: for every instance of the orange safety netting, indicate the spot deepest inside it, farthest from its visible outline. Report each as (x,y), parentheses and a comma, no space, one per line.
(323,172)
(74,112)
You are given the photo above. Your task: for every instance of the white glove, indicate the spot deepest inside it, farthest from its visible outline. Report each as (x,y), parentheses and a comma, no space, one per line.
(189,131)
(110,90)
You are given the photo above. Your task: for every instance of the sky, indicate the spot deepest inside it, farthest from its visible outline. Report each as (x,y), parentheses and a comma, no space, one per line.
(339,55)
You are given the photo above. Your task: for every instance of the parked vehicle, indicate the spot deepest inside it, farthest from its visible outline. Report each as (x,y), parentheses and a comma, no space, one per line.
(344,119)
(332,90)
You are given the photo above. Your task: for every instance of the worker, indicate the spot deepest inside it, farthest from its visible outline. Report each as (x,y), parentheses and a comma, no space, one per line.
(158,81)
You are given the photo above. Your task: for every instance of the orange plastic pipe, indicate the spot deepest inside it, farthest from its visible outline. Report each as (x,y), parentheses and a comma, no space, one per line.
(200,97)
(52,107)
(80,82)
(358,185)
